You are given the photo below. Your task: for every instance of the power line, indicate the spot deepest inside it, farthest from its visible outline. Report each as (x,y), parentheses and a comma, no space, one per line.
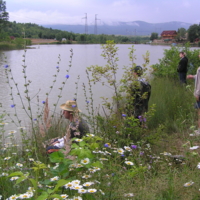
(95,27)
(86,26)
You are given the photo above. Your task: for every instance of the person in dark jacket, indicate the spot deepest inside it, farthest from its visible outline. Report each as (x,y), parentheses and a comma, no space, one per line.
(182,67)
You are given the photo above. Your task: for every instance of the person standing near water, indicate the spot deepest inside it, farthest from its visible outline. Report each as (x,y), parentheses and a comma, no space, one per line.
(182,67)
(196,77)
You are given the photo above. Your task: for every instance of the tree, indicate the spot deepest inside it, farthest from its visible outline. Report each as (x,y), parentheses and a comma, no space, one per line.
(194,32)
(154,36)
(3,15)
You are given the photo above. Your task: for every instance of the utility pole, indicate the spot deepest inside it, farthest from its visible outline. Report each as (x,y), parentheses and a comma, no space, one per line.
(95,27)
(86,27)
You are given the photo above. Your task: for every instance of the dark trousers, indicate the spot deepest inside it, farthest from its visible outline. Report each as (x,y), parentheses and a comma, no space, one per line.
(182,77)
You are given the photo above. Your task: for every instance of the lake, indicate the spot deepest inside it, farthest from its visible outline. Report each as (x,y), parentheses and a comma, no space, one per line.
(41,65)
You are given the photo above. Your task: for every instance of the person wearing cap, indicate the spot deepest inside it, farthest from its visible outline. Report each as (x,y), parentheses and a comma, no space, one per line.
(140,93)
(77,127)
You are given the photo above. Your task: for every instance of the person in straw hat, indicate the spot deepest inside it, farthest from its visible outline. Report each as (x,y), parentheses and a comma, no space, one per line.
(77,127)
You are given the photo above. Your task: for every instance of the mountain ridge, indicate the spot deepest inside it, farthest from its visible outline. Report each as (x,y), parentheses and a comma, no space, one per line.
(133,28)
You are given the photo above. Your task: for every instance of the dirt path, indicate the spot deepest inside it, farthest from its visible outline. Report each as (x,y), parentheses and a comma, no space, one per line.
(43,41)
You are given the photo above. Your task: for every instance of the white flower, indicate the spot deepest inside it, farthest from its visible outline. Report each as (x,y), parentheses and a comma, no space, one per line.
(24,196)
(4,174)
(64,196)
(77,198)
(76,182)
(198,165)
(13,197)
(86,176)
(92,190)
(14,178)
(31,159)
(54,178)
(77,187)
(79,166)
(120,151)
(129,163)
(127,148)
(82,191)
(78,140)
(69,185)
(188,184)
(90,135)
(12,132)
(129,195)
(21,128)
(101,192)
(92,170)
(7,158)
(85,161)
(19,165)
(194,147)
(103,159)
(88,184)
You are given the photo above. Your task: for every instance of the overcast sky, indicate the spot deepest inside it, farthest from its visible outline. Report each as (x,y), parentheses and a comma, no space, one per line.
(73,11)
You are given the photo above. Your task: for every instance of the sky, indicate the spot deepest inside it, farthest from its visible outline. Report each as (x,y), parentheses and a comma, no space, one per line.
(106,11)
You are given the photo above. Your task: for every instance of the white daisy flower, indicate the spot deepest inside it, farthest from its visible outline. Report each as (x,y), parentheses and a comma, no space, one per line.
(90,135)
(85,161)
(12,132)
(86,176)
(92,190)
(77,187)
(92,170)
(129,195)
(78,140)
(19,165)
(4,174)
(14,178)
(88,184)
(13,197)
(120,151)
(21,127)
(127,148)
(82,191)
(64,196)
(77,198)
(76,182)
(79,166)
(7,158)
(54,178)
(198,165)
(69,185)
(129,163)
(31,159)
(24,196)
(188,184)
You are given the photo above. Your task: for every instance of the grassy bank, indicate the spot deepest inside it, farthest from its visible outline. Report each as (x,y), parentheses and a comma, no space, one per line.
(119,159)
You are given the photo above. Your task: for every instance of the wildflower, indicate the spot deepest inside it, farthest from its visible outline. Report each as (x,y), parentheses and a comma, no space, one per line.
(77,198)
(97,168)
(14,178)
(88,184)
(166,154)
(68,185)
(87,102)
(76,182)
(82,191)
(4,174)
(19,165)
(134,146)
(31,159)
(7,158)
(77,187)
(122,155)
(129,163)
(123,115)
(73,106)
(188,184)
(86,176)
(79,166)
(92,190)
(6,66)
(35,119)
(57,67)
(85,161)
(129,195)
(3,123)
(64,196)
(24,196)
(43,102)
(90,135)
(103,159)
(67,76)
(141,153)
(54,178)
(92,170)
(120,151)
(127,148)
(194,147)
(13,197)
(78,140)
(56,199)
(198,165)
(107,145)
(12,106)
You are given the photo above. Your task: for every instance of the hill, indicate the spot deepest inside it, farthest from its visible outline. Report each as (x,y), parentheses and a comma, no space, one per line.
(134,28)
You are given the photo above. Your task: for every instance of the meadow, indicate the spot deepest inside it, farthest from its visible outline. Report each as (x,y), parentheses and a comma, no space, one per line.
(119,158)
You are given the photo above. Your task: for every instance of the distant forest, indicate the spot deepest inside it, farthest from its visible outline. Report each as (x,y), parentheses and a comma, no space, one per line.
(31,30)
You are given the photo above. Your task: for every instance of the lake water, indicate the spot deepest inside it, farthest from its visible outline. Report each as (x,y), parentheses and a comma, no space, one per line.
(41,65)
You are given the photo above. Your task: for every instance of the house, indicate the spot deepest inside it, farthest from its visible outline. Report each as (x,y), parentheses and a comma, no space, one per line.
(169,35)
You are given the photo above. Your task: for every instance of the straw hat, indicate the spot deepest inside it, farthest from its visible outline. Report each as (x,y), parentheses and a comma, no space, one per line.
(70,106)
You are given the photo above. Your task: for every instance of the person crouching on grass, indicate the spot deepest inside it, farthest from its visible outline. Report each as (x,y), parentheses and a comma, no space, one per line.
(196,77)
(77,127)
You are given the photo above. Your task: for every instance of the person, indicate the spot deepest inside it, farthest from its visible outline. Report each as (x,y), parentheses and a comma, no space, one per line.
(77,127)
(182,67)
(140,93)
(197,96)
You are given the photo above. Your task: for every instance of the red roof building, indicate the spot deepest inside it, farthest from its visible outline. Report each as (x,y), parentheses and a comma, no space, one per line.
(168,35)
